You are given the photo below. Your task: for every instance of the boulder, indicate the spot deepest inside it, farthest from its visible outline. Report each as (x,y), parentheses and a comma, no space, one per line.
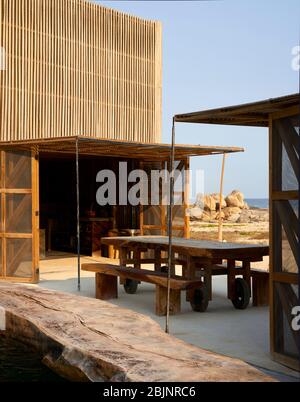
(234,218)
(218,215)
(232,214)
(195,213)
(209,216)
(206,202)
(235,199)
(216,197)
(229,211)
(209,203)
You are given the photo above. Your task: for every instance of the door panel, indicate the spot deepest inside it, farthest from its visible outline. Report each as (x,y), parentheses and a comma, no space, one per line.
(19,235)
(154,218)
(285,236)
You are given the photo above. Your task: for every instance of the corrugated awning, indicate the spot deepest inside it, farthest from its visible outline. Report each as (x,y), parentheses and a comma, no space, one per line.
(115,148)
(250,114)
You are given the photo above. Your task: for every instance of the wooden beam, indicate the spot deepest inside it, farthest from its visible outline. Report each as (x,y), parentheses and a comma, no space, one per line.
(291,226)
(288,140)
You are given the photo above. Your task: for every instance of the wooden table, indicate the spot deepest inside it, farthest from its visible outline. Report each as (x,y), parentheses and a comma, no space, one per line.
(199,259)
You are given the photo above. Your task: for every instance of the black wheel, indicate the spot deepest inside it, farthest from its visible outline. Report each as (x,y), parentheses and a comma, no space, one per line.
(164,270)
(131,286)
(242,294)
(199,301)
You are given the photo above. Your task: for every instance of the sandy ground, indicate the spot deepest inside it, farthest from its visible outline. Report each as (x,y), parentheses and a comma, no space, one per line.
(222,329)
(255,232)
(245,233)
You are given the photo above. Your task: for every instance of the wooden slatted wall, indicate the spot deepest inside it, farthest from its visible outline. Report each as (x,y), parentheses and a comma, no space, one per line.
(77,68)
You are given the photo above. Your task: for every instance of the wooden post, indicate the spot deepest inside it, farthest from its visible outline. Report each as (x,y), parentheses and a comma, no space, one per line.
(167,304)
(220,206)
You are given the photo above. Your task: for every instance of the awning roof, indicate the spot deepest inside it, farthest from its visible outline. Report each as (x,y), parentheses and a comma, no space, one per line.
(250,114)
(115,148)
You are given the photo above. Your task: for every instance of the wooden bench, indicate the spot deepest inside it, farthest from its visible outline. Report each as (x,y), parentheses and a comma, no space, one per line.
(107,284)
(260,283)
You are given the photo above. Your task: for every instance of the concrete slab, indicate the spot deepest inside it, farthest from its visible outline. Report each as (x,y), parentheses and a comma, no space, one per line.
(222,329)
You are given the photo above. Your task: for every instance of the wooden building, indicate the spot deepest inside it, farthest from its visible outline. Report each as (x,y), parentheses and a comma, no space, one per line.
(80,81)
(282,117)
(74,68)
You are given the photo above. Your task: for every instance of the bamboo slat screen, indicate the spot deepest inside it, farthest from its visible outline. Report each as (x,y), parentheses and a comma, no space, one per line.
(78,68)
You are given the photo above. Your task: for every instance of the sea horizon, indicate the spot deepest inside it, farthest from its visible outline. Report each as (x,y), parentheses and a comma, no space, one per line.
(261,203)
(258,202)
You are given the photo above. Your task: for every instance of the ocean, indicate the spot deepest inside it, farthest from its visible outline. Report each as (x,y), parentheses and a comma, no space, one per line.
(258,202)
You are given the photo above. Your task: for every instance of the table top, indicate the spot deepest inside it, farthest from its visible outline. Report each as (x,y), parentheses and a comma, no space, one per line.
(203,248)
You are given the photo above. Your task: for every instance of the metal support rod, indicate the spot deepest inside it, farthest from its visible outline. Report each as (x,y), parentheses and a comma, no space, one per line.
(220,205)
(298,216)
(78,214)
(170,225)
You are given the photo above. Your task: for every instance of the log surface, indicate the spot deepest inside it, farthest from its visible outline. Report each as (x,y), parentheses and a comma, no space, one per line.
(84,339)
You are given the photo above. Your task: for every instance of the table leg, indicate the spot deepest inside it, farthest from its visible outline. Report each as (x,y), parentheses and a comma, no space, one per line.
(137,258)
(123,258)
(157,259)
(190,273)
(208,280)
(247,273)
(231,279)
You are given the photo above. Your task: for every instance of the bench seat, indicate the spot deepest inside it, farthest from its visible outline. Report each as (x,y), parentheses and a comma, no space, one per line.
(107,286)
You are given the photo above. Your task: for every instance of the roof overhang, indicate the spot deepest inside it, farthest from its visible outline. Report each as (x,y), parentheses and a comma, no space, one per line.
(115,148)
(250,114)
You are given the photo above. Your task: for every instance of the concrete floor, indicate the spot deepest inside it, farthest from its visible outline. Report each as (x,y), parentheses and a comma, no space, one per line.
(222,329)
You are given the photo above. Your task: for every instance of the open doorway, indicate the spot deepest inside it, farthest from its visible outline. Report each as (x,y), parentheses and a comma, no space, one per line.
(58,206)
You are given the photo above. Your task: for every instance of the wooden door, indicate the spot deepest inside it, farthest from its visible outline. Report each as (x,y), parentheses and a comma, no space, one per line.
(284,232)
(19,235)
(154,218)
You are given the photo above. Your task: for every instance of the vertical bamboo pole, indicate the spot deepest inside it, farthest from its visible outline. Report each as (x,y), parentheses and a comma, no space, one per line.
(220,237)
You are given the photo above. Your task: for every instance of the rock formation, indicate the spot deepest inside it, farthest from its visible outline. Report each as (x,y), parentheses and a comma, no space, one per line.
(234,209)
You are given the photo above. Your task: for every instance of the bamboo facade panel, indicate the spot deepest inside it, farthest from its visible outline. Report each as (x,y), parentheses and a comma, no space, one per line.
(77,68)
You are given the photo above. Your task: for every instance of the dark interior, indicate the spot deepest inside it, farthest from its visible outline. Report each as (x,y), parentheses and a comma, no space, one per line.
(58,207)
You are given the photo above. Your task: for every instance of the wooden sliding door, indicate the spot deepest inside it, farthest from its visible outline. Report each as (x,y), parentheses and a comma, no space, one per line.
(154,218)
(19,235)
(284,227)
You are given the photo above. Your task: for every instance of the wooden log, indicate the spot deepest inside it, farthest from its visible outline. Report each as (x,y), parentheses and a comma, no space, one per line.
(87,339)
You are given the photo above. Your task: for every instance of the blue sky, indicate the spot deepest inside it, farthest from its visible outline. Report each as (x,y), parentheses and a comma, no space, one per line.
(220,53)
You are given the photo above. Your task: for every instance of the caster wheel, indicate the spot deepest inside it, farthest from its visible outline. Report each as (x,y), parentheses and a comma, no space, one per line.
(131,286)
(199,300)
(164,270)
(242,294)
